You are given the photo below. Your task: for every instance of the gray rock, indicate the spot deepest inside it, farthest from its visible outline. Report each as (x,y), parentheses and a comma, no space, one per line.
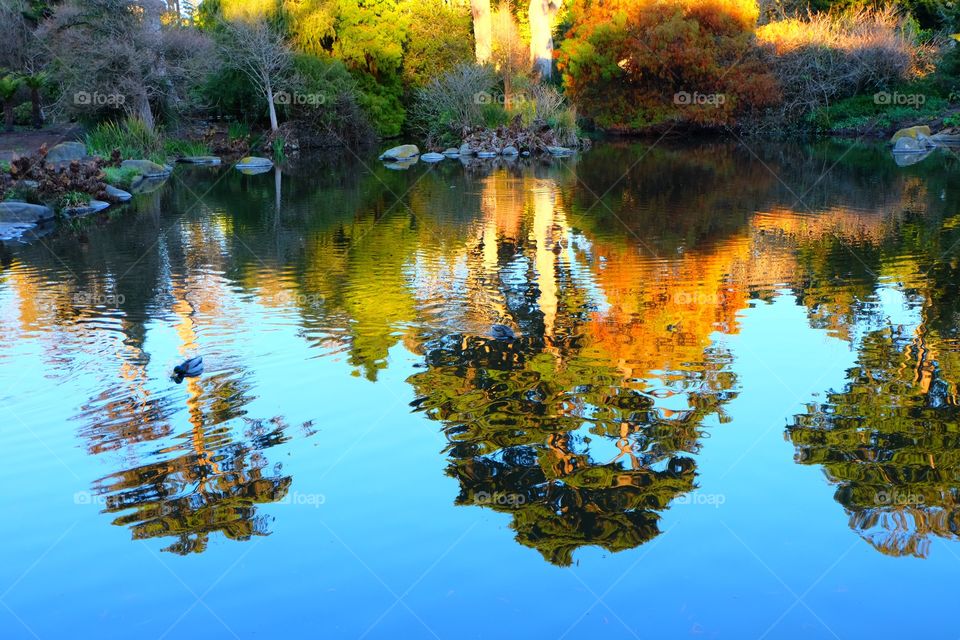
(465,150)
(118,194)
(451,152)
(559,151)
(147,168)
(22,212)
(486,154)
(204,160)
(525,154)
(401,153)
(67,152)
(433,157)
(509,151)
(92,207)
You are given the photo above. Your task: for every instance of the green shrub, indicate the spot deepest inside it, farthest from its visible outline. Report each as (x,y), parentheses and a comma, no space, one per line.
(382,104)
(23,114)
(494,115)
(440,38)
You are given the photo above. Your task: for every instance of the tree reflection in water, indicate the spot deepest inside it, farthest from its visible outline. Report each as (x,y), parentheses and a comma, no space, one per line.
(619,280)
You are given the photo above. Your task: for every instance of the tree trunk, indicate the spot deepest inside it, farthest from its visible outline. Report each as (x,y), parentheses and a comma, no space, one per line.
(35,102)
(144,112)
(482,30)
(8,115)
(273,109)
(542,13)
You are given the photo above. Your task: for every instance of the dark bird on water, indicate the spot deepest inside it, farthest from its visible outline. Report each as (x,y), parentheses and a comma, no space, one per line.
(502,332)
(188,369)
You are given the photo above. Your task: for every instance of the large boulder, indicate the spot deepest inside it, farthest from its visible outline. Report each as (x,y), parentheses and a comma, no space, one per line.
(67,152)
(911,132)
(401,153)
(147,168)
(22,212)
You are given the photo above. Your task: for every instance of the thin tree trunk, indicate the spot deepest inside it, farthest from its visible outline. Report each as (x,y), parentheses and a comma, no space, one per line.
(541,15)
(145,113)
(35,102)
(482,30)
(273,109)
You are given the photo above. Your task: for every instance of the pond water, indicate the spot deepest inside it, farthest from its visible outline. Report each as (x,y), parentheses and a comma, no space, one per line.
(723,402)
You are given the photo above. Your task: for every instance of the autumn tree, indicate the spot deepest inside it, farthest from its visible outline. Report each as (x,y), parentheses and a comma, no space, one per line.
(640,65)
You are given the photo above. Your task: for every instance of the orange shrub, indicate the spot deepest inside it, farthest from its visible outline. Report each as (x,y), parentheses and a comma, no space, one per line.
(640,65)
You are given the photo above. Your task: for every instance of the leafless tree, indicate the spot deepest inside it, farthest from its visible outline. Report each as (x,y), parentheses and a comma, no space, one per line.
(116,54)
(257,50)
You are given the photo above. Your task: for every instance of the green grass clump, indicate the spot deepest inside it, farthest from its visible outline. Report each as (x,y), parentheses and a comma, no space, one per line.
(120,177)
(238,131)
(73,199)
(131,137)
(177,148)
